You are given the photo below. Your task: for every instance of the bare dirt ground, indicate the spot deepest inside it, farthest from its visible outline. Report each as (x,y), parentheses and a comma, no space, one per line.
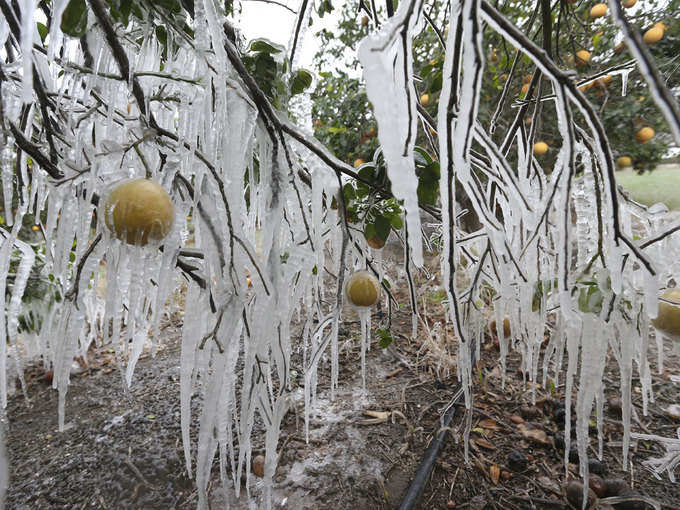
(125,451)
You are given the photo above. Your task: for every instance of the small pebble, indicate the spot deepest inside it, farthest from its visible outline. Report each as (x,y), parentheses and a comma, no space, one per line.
(615,486)
(558,441)
(597,484)
(516,419)
(597,467)
(529,411)
(615,406)
(517,461)
(574,494)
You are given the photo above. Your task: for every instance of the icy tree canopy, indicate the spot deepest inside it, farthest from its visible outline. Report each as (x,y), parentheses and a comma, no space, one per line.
(162,91)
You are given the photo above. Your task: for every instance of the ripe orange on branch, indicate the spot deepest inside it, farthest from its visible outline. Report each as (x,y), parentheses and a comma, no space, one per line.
(645,134)
(598,10)
(624,161)
(540,148)
(653,35)
(582,57)
(139,210)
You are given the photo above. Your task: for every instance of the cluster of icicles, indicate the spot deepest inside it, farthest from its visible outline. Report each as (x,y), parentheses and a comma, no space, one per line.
(282,234)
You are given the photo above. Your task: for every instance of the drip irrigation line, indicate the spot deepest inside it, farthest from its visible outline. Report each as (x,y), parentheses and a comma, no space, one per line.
(414,492)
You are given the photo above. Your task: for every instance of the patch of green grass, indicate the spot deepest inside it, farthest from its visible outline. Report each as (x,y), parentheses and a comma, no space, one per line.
(660,185)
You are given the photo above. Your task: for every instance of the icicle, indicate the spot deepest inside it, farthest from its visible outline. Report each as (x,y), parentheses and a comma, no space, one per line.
(28,27)
(388,68)
(7,170)
(364,317)
(20,280)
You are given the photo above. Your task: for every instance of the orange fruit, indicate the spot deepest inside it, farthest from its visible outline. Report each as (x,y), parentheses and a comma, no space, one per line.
(653,35)
(362,289)
(582,57)
(139,210)
(624,161)
(645,134)
(258,466)
(358,162)
(598,10)
(668,319)
(629,3)
(540,148)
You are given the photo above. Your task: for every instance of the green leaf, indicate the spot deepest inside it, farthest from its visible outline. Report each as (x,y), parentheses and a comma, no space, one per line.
(370,231)
(385,338)
(590,298)
(162,35)
(396,221)
(422,157)
(301,81)
(366,172)
(74,19)
(265,46)
(42,30)
(326,6)
(435,84)
(428,183)
(125,10)
(382,227)
(171,5)
(349,192)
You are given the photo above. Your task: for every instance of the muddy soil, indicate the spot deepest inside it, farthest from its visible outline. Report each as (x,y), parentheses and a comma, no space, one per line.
(124,451)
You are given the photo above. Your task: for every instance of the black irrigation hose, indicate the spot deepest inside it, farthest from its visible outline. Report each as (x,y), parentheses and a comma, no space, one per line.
(415,491)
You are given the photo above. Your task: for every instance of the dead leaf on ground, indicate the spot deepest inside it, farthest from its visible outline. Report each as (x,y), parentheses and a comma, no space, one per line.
(484,443)
(489,424)
(495,473)
(549,484)
(377,417)
(534,435)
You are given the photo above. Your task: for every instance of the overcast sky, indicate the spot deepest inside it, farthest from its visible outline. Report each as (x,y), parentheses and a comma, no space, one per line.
(259,19)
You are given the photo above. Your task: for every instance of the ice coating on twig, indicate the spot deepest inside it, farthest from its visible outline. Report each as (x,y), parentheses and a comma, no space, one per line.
(387,61)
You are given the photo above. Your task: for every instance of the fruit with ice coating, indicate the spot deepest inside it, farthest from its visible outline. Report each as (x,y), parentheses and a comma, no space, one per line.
(362,289)
(668,319)
(139,210)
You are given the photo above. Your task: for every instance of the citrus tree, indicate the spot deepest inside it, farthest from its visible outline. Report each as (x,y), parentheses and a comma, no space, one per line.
(152,145)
